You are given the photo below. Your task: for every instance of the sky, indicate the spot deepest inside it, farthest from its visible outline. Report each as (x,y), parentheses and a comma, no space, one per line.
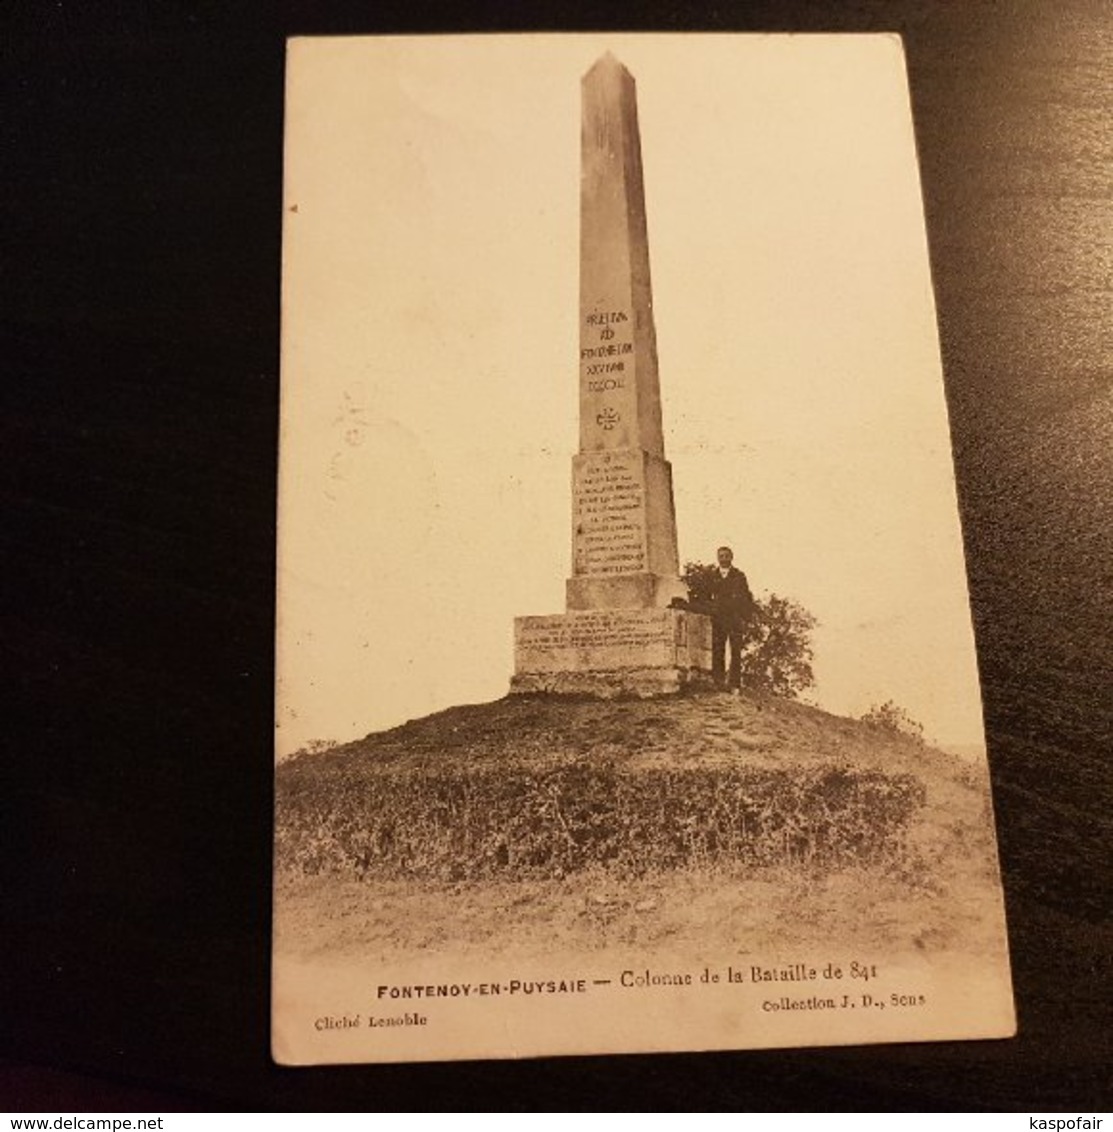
(430,361)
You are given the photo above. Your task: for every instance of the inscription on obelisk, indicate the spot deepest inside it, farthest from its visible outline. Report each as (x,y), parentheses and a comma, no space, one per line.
(619,635)
(624,552)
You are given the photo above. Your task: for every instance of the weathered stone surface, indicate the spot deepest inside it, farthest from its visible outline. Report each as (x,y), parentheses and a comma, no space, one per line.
(623,515)
(624,591)
(619,407)
(618,637)
(616,651)
(623,519)
(640,683)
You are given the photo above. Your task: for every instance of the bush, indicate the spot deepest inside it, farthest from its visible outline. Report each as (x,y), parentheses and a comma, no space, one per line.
(776,650)
(894,719)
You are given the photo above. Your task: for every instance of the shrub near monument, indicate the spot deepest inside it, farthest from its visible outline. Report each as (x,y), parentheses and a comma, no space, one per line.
(777,655)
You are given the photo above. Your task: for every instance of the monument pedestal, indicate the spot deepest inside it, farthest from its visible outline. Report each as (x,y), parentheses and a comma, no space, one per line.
(623,591)
(612,652)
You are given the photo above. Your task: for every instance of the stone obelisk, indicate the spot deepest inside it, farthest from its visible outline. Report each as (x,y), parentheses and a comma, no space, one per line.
(619,634)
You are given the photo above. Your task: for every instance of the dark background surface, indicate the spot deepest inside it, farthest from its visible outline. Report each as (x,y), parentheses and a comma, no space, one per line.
(141,156)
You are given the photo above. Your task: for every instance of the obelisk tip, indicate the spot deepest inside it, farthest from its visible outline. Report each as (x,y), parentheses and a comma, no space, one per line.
(606,64)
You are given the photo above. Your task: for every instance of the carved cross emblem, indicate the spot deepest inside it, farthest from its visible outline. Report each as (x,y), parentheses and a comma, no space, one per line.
(608,418)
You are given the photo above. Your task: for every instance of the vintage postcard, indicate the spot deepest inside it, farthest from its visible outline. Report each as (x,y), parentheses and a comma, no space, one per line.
(627,697)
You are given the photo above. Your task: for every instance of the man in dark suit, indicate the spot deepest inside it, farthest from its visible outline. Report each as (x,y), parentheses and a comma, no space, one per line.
(732,606)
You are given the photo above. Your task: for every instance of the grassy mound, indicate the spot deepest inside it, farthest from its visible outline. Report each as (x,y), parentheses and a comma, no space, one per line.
(537,787)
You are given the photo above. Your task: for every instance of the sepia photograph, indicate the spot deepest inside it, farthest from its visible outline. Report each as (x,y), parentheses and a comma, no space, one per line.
(557,559)
(627,697)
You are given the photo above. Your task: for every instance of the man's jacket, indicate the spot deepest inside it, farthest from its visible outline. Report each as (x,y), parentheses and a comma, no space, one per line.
(731,603)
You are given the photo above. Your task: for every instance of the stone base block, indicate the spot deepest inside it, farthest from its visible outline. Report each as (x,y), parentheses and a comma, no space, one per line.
(622,591)
(644,683)
(613,652)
